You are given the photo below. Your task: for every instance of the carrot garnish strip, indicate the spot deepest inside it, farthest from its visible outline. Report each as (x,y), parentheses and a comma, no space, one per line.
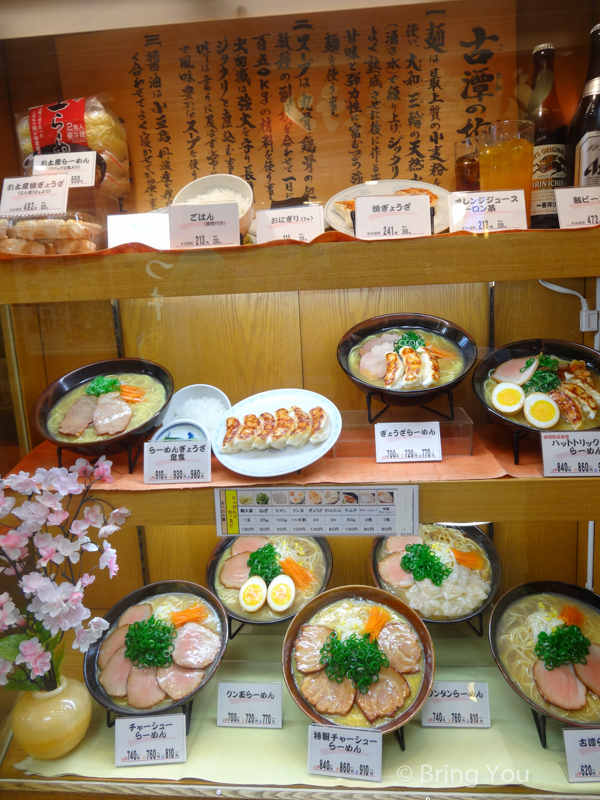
(132,394)
(470,560)
(571,616)
(378,617)
(437,351)
(195,614)
(302,577)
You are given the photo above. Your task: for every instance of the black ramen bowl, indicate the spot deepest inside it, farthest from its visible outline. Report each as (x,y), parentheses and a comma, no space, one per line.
(486,544)
(211,576)
(90,669)
(524,349)
(116,444)
(518,593)
(412,397)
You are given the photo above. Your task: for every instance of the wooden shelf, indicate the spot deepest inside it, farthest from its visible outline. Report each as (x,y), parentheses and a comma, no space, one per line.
(452,258)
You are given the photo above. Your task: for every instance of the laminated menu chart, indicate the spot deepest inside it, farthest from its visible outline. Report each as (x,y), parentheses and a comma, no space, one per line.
(324,511)
(480,212)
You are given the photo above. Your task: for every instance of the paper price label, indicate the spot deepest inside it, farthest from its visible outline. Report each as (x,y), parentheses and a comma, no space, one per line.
(249,705)
(344,752)
(80,166)
(140,741)
(407,441)
(578,207)
(210,225)
(302,223)
(480,212)
(571,454)
(583,754)
(150,229)
(177,461)
(35,195)
(391,217)
(457,704)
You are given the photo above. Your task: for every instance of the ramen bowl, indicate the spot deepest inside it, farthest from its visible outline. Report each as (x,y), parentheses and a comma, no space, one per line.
(480,538)
(122,441)
(463,342)
(90,664)
(358,593)
(514,671)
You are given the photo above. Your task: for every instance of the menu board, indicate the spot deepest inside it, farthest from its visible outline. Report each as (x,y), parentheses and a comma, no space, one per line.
(323,511)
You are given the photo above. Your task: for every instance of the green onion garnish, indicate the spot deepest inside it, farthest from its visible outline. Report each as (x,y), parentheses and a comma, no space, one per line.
(358,659)
(102,385)
(409,339)
(564,645)
(149,643)
(265,562)
(422,562)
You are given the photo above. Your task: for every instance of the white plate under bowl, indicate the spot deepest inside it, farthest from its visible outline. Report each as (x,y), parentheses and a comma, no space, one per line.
(269,463)
(193,392)
(442,212)
(185,430)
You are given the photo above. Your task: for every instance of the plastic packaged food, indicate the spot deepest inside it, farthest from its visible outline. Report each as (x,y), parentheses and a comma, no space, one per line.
(50,234)
(77,125)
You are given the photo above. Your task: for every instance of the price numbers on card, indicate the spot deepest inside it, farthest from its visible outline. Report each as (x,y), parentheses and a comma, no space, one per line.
(407,441)
(578,207)
(457,704)
(344,752)
(150,740)
(582,748)
(250,719)
(249,705)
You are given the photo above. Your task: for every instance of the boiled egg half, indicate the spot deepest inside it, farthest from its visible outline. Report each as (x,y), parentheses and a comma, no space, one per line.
(253,594)
(508,398)
(281,593)
(541,411)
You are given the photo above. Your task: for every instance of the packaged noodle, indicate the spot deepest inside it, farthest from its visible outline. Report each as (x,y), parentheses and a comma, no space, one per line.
(77,125)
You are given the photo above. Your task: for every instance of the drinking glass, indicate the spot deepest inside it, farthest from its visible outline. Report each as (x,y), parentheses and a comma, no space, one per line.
(506,157)
(466,165)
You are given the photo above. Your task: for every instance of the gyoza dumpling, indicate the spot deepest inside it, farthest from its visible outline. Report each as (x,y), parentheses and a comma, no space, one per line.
(284,425)
(245,437)
(302,432)
(413,373)
(430,367)
(395,371)
(268,426)
(321,425)
(232,426)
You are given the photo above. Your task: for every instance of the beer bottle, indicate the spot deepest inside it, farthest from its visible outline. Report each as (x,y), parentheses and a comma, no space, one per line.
(550,152)
(584,136)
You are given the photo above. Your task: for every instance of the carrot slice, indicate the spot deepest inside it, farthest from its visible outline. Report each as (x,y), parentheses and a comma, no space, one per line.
(302,577)
(437,351)
(470,560)
(378,617)
(195,614)
(572,616)
(132,394)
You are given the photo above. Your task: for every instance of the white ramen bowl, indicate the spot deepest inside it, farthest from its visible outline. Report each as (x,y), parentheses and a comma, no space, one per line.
(231,182)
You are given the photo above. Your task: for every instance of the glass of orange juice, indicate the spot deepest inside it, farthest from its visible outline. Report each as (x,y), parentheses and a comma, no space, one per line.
(506,157)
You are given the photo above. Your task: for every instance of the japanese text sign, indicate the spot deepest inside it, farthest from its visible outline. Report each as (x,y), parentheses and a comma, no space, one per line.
(407,441)
(457,704)
(249,705)
(177,461)
(393,217)
(210,225)
(80,166)
(302,223)
(140,741)
(35,195)
(571,454)
(578,207)
(583,754)
(481,212)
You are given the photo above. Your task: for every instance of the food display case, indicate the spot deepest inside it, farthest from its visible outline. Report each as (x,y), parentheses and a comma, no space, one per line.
(304,108)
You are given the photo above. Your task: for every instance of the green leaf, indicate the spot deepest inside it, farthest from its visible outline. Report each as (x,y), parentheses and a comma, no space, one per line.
(51,643)
(42,633)
(9,646)
(57,658)
(19,681)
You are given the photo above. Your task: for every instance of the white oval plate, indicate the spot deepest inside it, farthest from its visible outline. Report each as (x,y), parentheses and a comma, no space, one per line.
(269,463)
(442,212)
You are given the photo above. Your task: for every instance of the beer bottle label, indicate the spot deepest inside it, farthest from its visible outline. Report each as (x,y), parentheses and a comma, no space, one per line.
(591,87)
(549,173)
(587,160)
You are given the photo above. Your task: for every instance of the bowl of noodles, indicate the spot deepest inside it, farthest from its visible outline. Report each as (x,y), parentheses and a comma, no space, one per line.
(454,573)
(407,359)
(545,638)
(137,389)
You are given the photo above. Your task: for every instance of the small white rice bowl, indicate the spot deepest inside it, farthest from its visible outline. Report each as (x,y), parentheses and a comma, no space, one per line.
(206,410)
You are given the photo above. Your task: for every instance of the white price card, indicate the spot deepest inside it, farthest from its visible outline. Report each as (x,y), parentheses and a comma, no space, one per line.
(480,212)
(177,461)
(249,705)
(353,753)
(392,217)
(210,225)
(571,454)
(457,704)
(150,229)
(80,166)
(140,741)
(582,747)
(407,441)
(578,207)
(35,195)
(302,223)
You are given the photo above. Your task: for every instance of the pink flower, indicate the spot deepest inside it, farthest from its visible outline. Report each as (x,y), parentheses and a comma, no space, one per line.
(86,579)
(68,548)
(47,549)
(68,484)
(34,514)
(9,613)
(82,467)
(84,637)
(44,477)
(6,504)
(5,668)
(102,470)
(32,583)
(79,527)
(57,518)
(33,655)
(109,559)
(88,545)
(51,500)
(22,483)
(12,544)
(94,516)
(118,516)
(106,530)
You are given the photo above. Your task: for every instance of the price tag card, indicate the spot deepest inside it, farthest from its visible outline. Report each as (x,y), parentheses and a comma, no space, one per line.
(407,441)
(583,754)
(140,741)
(249,705)
(80,166)
(177,461)
(35,195)
(479,212)
(150,229)
(571,454)
(302,223)
(391,217)
(344,752)
(457,704)
(578,207)
(210,225)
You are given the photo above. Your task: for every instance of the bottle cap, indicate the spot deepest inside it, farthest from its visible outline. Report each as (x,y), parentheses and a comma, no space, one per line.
(546,46)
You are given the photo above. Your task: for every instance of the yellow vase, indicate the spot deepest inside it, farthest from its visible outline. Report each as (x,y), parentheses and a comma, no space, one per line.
(50,724)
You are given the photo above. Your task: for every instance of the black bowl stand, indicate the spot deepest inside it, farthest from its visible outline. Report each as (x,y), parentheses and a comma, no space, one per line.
(379,396)
(132,458)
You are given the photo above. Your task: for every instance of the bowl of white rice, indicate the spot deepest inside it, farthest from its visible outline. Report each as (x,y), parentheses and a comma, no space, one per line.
(220,189)
(200,402)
